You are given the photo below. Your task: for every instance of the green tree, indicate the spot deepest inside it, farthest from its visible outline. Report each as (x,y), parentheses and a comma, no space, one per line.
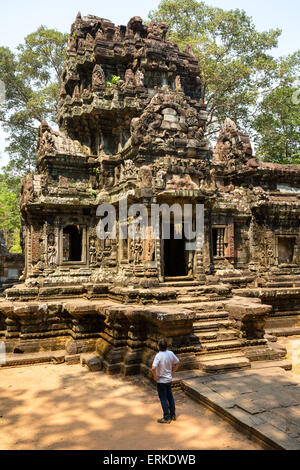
(10,222)
(31,77)
(234,58)
(277,123)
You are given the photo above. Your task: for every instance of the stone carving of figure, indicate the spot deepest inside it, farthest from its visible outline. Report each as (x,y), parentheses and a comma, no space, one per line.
(212,178)
(98,78)
(46,138)
(117,174)
(145,177)
(76,92)
(137,250)
(63,92)
(117,35)
(93,252)
(71,46)
(160,180)
(51,250)
(227,149)
(157,31)
(139,78)
(129,169)
(150,249)
(121,173)
(80,46)
(178,86)
(100,36)
(89,42)
(129,79)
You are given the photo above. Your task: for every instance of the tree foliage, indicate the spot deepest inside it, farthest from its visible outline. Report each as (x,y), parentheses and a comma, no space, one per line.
(31,77)
(277,122)
(234,58)
(10,222)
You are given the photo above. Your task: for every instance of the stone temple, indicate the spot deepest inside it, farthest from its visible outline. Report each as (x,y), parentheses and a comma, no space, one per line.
(132,127)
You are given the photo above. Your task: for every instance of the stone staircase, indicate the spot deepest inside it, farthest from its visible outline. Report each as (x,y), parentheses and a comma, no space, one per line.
(218,337)
(222,346)
(190,291)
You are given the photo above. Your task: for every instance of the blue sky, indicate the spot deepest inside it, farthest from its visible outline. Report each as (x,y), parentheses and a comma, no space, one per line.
(19,18)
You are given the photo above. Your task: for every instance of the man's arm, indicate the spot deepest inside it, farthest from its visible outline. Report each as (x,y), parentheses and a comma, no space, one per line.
(154,373)
(175,367)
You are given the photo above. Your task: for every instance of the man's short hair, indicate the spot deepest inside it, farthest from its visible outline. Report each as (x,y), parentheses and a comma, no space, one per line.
(162,344)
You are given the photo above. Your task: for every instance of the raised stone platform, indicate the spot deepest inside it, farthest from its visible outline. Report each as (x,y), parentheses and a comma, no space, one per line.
(263,402)
(216,335)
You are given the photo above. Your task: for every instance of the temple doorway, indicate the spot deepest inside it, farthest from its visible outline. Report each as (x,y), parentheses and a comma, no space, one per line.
(175,264)
(72,243)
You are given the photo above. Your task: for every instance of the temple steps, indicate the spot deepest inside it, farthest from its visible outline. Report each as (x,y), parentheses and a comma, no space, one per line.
(179,284)
(284,331)
(283,284)
(219,335)
(211,315)
(209,306)
(224,345)
(212,325)
(27,359)
(219,364)
(187,299)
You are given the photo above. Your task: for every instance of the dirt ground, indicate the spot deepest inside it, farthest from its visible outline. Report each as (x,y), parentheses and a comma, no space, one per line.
(66,407)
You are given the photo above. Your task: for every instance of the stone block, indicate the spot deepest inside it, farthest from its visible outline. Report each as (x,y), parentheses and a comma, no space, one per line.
(170,118)
(91,361)
(169,111)
(72,359)
(74,347)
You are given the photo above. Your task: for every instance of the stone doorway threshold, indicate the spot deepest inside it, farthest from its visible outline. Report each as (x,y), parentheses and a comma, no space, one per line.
(263,403)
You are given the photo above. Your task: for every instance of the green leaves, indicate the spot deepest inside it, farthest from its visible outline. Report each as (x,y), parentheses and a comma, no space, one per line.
(232,54)
(31,78)
(42,55)
(240,78)
(9,213)
(277,123)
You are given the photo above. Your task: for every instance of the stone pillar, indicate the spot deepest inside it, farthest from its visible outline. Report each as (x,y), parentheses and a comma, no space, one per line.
(200,272)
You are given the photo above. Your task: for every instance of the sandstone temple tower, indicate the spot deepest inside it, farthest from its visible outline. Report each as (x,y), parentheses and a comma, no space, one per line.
(132,127)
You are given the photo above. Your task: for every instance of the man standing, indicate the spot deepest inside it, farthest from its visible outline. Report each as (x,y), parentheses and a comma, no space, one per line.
(165,364)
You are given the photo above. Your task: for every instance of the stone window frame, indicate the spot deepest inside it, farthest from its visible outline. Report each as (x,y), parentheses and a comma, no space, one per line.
(83,261)
(296,248)
(226,242)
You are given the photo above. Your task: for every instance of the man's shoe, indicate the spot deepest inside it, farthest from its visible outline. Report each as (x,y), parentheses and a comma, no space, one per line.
(164,421)
(173,418)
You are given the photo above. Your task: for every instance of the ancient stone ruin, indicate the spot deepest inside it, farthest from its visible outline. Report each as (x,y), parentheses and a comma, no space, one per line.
(132,127)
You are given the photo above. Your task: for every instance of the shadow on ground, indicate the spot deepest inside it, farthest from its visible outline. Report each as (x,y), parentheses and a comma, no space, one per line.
(67,407)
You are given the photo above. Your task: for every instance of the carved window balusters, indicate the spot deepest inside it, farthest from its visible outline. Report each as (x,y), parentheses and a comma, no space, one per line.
(219,242)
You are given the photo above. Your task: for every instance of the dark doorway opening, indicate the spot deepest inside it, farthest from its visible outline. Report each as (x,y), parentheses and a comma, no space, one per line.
(72,243)
(174,256)
(286,247)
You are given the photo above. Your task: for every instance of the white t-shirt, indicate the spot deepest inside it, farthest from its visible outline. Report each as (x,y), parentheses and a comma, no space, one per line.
(164,361)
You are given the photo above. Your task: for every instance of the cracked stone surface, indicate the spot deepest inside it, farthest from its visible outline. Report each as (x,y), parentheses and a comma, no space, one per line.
(267,401)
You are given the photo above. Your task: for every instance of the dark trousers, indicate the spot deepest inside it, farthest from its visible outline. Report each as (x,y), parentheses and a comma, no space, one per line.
(166,398)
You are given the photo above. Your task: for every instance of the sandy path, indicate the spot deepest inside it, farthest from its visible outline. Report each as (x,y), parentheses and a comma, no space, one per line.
(292,344)
(67,407)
